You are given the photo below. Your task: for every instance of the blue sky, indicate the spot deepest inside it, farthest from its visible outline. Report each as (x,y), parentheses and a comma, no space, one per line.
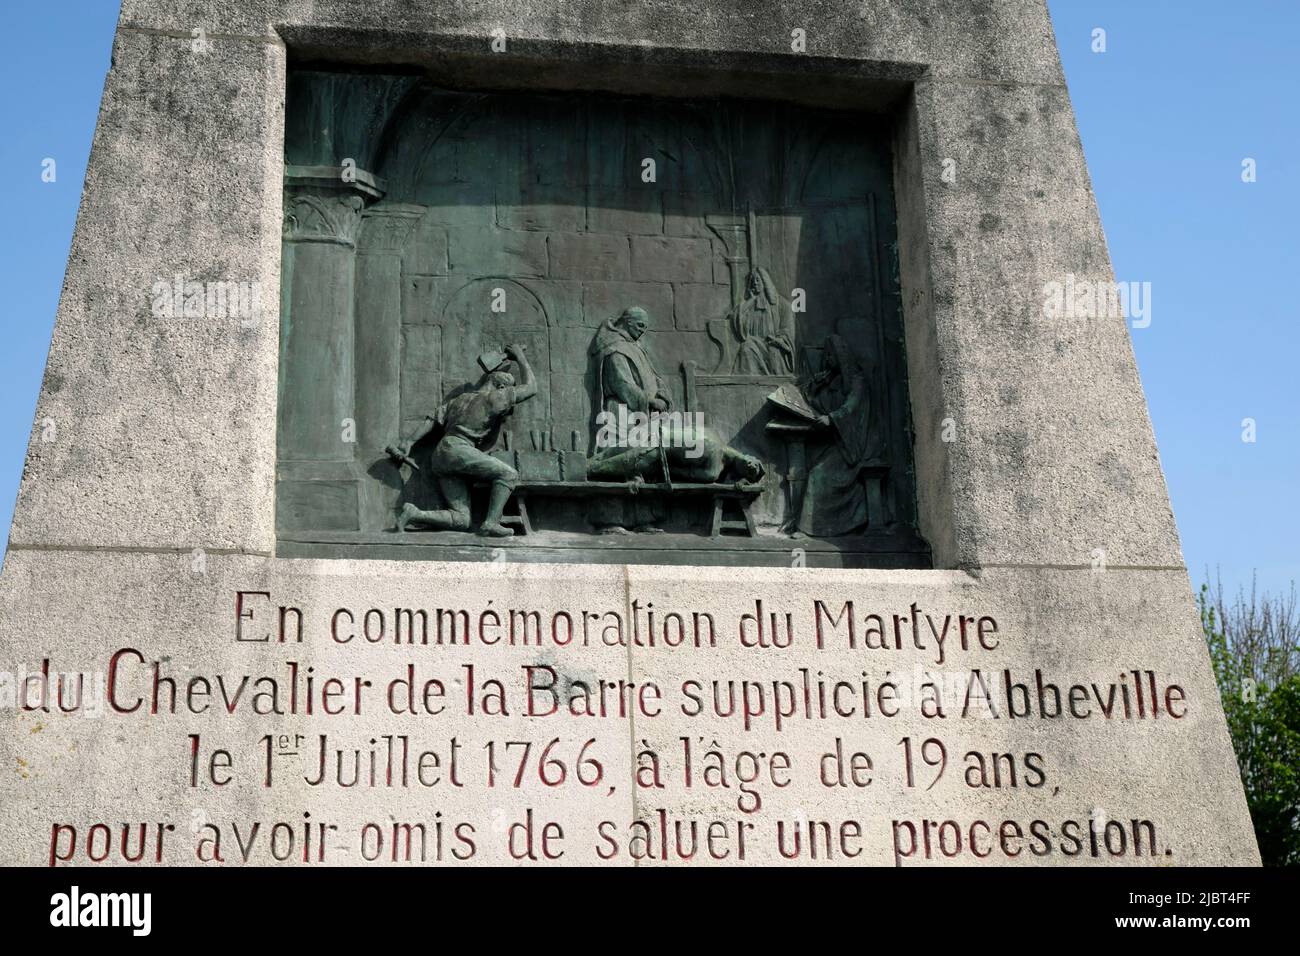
(1184,92)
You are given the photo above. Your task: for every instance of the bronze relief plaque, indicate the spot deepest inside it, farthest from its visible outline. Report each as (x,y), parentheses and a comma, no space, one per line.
(589,328)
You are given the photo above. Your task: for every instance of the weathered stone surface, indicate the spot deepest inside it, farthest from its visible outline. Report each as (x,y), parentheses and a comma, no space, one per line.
(1004,137)
(609,212)
(568,348)
(135,764)
(460,205)
(425,297)
(504,252)
(542,208)
(681,213)
(570,404)
(425,252)
(671,259)
(603,300)
(1009,41)
(1065,623)
(421,367)
(576,256)
(561,300)
(1075,627)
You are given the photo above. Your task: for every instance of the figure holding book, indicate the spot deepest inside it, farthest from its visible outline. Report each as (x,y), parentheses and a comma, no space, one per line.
(833,426)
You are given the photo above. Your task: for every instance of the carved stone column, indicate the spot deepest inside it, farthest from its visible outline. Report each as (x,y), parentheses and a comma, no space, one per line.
(384,232)
(317,421)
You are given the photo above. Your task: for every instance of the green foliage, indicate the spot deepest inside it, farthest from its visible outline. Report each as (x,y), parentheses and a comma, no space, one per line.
(1255,649)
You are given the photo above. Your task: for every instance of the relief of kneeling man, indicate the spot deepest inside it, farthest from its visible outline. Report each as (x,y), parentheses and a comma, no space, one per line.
(470,424)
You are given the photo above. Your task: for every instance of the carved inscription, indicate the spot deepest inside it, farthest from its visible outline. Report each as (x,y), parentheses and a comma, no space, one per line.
(827,730)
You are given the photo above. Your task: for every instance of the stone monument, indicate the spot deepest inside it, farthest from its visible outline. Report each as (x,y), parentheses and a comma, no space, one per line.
(602,434)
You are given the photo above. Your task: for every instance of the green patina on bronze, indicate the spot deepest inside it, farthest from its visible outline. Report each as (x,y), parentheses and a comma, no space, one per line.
(549,317)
